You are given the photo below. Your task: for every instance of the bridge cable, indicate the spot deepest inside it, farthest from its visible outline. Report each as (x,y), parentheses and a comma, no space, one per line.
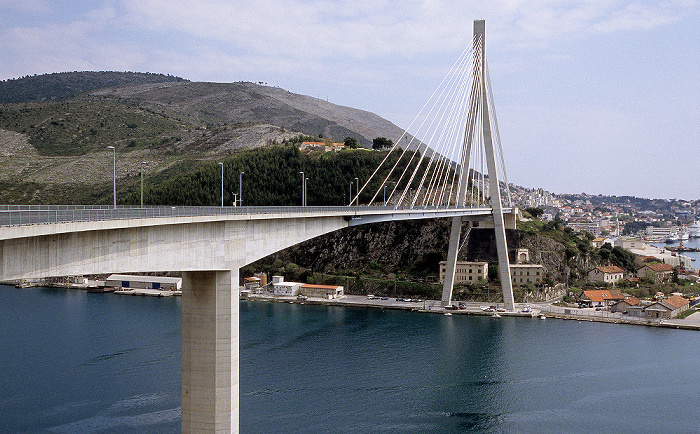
(447,111)
(464,54)
(408,188)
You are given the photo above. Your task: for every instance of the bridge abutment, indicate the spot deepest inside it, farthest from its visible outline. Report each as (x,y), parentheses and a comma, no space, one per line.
(210,341)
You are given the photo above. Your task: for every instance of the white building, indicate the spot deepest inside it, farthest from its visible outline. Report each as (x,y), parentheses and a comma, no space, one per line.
(630,243)
(610,274)
(658,232)
(144,282)
(286,288)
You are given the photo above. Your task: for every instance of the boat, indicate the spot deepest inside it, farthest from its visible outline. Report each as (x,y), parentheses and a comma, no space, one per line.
(694,230)
(683,248)
(496,315)
(672,238)
(543,317)
(100,289)
(448,314)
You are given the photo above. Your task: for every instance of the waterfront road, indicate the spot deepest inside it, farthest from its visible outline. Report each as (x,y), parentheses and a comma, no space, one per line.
(533,310)
(429,306)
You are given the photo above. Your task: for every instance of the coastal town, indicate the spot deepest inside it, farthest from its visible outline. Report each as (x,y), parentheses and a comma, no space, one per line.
(658,234)
(654,220)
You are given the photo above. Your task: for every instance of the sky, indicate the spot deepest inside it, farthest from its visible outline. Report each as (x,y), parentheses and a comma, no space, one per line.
(597,96)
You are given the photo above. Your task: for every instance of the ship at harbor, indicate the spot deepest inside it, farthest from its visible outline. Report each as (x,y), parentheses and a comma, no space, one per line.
(694,230)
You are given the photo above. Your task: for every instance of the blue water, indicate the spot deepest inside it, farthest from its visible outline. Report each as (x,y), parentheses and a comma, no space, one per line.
(76,362)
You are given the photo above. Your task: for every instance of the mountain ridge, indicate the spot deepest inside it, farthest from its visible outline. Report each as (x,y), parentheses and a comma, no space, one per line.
(53,145)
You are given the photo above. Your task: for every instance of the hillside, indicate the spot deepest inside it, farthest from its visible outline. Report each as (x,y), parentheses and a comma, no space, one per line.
(68,84)
(54,136)
(244,103)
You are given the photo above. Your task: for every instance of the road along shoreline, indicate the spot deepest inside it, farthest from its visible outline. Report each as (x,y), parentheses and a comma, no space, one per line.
(527,310)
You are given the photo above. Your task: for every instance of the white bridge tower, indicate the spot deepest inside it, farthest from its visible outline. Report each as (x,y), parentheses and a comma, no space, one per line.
(480,101)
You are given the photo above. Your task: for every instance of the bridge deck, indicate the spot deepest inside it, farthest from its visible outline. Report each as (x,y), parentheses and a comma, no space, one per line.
(21,215)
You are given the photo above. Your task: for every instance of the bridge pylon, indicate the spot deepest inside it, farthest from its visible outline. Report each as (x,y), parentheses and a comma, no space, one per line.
(479,128)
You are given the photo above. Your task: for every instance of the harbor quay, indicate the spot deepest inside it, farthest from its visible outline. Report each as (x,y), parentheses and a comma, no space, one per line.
(542,310)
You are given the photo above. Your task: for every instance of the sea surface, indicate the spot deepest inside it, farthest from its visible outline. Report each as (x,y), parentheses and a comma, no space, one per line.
(75,362)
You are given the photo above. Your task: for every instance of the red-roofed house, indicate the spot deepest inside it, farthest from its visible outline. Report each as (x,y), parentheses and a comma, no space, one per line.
(598,241)
(657,272)
(624,305)
(667,308)
(601,297)
(322,291)
(609,274)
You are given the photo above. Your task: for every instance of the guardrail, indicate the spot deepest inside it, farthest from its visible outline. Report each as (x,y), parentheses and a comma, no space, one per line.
(17,215)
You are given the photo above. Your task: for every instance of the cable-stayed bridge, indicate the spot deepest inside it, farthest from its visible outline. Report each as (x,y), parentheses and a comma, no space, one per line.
(455,170)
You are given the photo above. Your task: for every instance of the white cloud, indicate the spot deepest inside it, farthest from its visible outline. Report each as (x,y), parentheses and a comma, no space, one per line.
(320,30)
(367,29)
(638,16)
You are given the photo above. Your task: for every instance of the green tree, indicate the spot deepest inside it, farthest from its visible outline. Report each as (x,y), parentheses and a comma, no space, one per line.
(493,272)
(382,143)
(351,142)
(535,212)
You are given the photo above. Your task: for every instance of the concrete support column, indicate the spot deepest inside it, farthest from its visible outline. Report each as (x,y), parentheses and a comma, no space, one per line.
(210,384)
(494,182)
(451,265)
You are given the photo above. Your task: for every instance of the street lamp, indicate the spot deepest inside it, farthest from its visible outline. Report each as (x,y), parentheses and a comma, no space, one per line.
(222,183)
(357,192)
(303,199)
(240,188)
(350,194)
(142,163)
(114,174)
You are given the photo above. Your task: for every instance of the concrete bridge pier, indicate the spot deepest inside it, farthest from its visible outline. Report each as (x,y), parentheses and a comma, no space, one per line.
(210,383)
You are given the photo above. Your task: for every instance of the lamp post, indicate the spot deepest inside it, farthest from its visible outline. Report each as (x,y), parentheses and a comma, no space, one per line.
(240,188)
(385,186)
(303,199)
(114,174)
(222,183)
(357,192)
(350,194)
(142,163)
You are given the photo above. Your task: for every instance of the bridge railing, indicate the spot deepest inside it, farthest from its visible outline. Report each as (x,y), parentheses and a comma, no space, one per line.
(16,215)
